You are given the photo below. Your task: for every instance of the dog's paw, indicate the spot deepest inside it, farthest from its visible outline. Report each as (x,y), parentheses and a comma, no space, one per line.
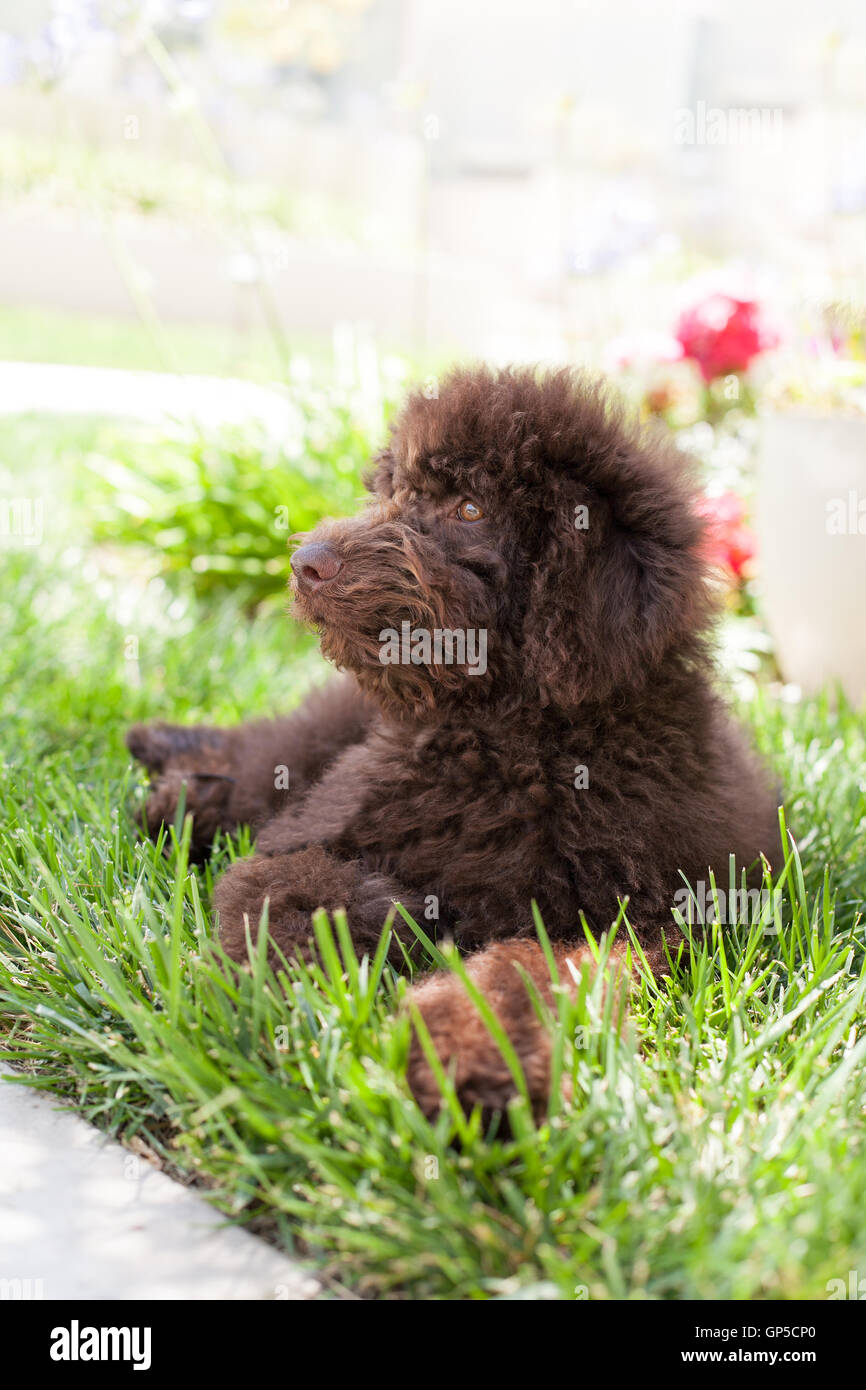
(465,1046)
(190,768)
(468,1051)
(295,885)
(160,746)
(240,895)
(202,795)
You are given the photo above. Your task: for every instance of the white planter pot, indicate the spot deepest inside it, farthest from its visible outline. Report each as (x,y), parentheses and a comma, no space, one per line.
(810,505)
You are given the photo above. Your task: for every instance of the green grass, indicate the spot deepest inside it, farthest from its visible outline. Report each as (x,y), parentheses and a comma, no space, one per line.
(87,340)
(34,334)
(714,1150)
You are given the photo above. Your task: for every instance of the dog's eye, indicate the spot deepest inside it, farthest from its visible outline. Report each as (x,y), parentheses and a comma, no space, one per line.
(469,511)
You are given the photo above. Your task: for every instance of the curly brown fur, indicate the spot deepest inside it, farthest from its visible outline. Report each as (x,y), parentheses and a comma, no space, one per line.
(428,784)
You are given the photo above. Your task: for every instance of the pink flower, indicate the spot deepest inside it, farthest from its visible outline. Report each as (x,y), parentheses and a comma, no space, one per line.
(724,334)
(730,542)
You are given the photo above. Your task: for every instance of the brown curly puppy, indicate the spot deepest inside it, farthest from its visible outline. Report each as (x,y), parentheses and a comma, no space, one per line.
(522,610)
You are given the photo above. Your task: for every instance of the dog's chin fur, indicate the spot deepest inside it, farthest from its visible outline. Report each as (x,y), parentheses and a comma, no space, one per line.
(417,693)
(393,575)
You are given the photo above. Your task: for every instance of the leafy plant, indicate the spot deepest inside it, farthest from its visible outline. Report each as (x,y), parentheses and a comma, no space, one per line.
(217,509)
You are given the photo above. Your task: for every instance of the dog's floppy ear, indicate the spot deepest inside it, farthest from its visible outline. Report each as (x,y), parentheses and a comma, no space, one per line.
(379,476)
(622,584)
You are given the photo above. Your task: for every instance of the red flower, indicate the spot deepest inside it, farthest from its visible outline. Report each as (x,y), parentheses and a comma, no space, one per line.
(730,542)
(723,334)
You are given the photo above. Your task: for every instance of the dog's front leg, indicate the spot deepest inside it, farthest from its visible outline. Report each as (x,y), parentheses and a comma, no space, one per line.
(460,1035)
(249,774)
(295,884)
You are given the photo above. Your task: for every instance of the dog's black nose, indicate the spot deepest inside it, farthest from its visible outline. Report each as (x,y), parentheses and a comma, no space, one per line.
(316,563)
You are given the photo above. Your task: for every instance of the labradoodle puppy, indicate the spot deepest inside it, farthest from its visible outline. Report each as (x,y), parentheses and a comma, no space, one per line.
(526,713)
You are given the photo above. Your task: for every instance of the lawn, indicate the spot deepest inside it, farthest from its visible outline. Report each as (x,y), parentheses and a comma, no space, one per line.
(88,340)
(714,1150)
(94,340)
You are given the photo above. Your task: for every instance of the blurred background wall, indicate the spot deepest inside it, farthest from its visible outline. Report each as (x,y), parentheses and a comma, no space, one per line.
(501,178)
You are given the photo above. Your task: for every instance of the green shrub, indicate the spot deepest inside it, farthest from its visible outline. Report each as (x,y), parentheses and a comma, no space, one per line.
(217,509)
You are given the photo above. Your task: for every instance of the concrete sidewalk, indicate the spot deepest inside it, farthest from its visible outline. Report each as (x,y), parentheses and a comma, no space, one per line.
(81,1217)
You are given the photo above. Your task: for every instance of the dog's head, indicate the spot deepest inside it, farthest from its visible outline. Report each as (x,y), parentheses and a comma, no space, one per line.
(522,544)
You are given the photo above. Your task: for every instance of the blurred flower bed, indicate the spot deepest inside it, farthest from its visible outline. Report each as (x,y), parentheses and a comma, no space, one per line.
(724,363)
